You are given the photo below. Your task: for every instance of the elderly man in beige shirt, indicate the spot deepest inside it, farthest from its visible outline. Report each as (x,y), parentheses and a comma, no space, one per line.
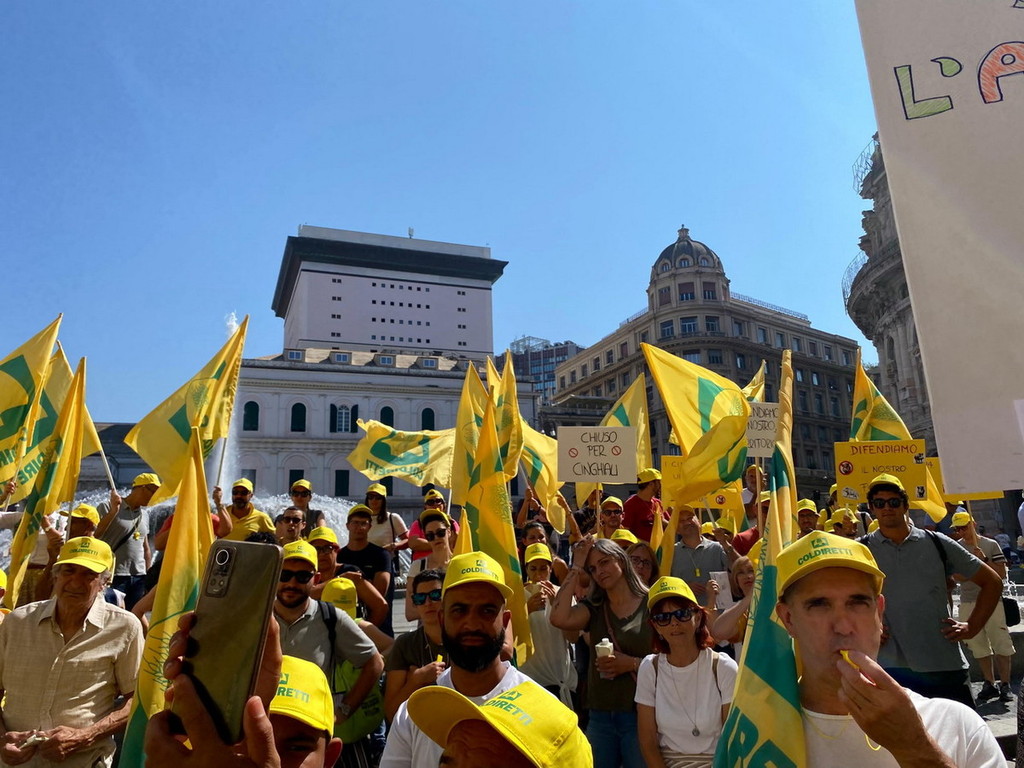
(63,664)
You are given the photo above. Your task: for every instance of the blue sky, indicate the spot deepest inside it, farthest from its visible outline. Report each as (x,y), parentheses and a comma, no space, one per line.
(155,158)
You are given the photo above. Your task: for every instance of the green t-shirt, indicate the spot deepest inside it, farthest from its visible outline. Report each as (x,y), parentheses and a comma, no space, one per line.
(631,636)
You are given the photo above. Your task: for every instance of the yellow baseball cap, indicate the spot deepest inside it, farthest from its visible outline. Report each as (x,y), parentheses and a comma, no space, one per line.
(342,593)
(360,509)
(648,474)
(806,504)
(624,534)
(87,552)
(727,523)
(611,500)
(85,511)
(840,516)
(243,482)
(304,694)
(303,483)
(872,526)
(433,493)
(825,550)
(669,586)
(753,468)
(301,550)
(323,533)
(379,489)
(434,513)
(475,567)
(765,496)
(529,718)
(884,479)
(538,551)
(961,519)
(707,528)
(834,487)
(146,478)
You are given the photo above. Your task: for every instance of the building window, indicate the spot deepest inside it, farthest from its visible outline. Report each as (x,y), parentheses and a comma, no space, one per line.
(643,337)
(769,392)
(714,357)
(692,357)
(295,354)
(387,359)
(572,377)
(741,361)
(609,357)
(710,291)
(665,266)
(294,475)
(846,357)
(298,418)
(684,262)
(561,382)
(799,373)
(832,383)
(340,418)
(711,324)
(809,459)
(597,391)
(610,386)
(341,357)
(687,292)
(597,364)
(427,419)
(429,362)
(584,370)
(623,350)
(687,325)
(798,345)
(251,416)
(826,352)
(837,436)
(387,416)
(624,380)
(826,459)
(739,328)
(664,297)
(667,329)
(805,430)
(833,404)
(801,398)
(762,335)
(814,378)
(812,348)
(780,340)
(819,404)
(822,434)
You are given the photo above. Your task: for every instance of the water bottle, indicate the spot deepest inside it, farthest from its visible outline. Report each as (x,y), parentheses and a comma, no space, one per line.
(602,649)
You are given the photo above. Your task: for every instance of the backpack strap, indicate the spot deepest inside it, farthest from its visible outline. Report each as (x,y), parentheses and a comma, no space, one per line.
(330,618)
(714,672)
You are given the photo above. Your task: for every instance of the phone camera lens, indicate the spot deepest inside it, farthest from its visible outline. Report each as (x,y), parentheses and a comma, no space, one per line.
(222,557)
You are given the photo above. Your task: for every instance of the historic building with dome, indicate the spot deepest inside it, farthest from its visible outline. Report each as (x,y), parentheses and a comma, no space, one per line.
(691,312)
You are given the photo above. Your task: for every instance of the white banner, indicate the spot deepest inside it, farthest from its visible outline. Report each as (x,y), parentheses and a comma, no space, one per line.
(597,454)
(950,114)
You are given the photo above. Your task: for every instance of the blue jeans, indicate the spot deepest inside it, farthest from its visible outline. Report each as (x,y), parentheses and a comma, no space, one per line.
(613,739)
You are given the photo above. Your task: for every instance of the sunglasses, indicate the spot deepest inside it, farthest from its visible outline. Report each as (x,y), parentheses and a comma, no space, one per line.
(303,577)
(895,503)
(301,493)
(440,533)
(239,493)
(420,598)
(680,614)
(434,503)
(294,520)
(325,548)
(611,511)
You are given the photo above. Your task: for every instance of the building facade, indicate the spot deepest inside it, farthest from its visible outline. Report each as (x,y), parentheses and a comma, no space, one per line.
(691,312)
(535,360)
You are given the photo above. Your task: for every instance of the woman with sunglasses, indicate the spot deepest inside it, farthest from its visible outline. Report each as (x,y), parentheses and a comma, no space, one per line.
(616,610)
(418,657)
(684,688)
(433,501)
(437,527)
(550,664)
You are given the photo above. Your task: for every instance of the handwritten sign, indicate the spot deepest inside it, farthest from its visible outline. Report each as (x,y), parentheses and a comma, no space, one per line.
(858,463)
(761,430)
(597,454)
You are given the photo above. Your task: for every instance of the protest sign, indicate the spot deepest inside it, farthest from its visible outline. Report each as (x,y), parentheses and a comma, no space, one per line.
(597,454)
(761,430)
(858,463)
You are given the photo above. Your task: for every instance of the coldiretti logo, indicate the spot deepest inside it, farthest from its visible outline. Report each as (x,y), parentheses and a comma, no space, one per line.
(821,546)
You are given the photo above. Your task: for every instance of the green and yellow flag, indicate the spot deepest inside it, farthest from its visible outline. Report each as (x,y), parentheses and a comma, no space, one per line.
(510,424)
(489,516)
(176,593)
(709,417)
(205,401)
(540,463)
(472,404)
(22,376)
(416,457)
(55,482)
(754,391)
(874,419)
(765,726)
(630,410)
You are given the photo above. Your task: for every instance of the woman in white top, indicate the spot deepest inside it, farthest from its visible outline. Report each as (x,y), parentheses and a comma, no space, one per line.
(437,528)
(684,689)
(387,529)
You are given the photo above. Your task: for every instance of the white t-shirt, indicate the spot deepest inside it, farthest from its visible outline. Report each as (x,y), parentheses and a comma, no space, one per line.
(684,697)
(836,741)
(381,533)
(409,747)
(550,663)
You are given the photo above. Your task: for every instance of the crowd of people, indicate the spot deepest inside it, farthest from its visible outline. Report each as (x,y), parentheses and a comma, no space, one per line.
(634,663)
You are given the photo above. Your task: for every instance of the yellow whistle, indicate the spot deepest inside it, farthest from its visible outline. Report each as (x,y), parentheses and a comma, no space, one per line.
(846,657)
(440,658)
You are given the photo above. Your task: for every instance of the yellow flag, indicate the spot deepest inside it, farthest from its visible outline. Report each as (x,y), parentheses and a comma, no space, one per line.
(464,541)
(472,403)
(416,457)
(709,415)
(765,725)
(493,379)
(489,515)
(55,482)
(205,401)
(176,593)
(540,462)
(510,424)
(754,391)
(874,419)
(630,410)
(22,376)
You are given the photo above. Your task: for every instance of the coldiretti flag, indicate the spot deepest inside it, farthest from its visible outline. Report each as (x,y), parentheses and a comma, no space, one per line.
(416,457)
(630,410)
(510,425)
(58,382)
(874,419)
(540,462)
(22,374)
(205,401)
(765,726)
(55,482)
(472,404)
(489,517)
(754,391)
(709,416)
(176,592)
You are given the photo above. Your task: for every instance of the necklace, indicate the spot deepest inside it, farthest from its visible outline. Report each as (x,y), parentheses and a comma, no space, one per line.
(696,688)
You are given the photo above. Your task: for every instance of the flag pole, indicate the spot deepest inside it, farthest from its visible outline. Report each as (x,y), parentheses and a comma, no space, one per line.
(106,466)
(223,454)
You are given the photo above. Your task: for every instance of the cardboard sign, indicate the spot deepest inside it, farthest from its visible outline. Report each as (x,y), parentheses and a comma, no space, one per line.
(933,463)
(597,454)
(858,463)
(761,430)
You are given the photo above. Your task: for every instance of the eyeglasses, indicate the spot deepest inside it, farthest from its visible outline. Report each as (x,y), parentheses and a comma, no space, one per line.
(361,522)
(374,497)
(301,493)
(420,598)
(434,503)
(640,562)
(439,533)
(324,548)
(680,614)
(303,577)
(894,503)
(293,520)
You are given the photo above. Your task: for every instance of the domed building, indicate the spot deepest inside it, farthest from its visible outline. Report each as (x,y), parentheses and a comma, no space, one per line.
(692,312)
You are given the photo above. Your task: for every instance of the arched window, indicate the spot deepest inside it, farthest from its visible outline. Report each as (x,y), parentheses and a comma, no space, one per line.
(684,262)
(387,416)
(427,419)
(704,261)
(298,418)
(251,416)
(340,419)
(665,266)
